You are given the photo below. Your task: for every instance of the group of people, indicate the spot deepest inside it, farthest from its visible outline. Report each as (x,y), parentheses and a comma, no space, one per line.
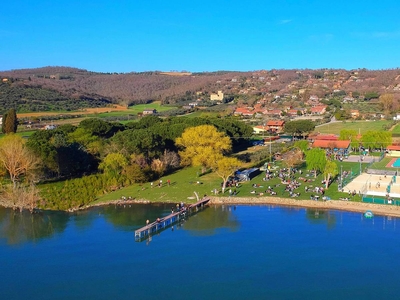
(160,183)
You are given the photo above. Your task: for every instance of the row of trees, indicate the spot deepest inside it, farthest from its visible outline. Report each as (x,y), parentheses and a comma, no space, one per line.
(31,97)
(103,156)
(315,158)
(372,139)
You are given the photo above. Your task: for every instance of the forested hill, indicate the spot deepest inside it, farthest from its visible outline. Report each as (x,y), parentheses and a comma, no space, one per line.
(54,88)
(75,85)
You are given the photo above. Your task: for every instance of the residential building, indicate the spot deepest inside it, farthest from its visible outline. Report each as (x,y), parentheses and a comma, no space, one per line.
(149,111)
(275,126)
(217,97)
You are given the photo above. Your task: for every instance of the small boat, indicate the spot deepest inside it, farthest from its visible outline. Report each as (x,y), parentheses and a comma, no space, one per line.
(368,214)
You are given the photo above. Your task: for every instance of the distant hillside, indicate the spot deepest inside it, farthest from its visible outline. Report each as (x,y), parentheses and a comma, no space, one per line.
(54,88)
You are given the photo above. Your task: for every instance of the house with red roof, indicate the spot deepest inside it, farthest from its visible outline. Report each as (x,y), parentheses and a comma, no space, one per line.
(243,111)
(275,125)
(318,110)
(260,129)
(273,112)
(326,137)
(331,144)
(393,150)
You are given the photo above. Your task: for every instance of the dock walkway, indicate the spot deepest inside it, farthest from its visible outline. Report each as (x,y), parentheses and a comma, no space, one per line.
(162,223)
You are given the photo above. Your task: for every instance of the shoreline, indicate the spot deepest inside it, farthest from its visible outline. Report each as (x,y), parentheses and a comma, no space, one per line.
(377,209)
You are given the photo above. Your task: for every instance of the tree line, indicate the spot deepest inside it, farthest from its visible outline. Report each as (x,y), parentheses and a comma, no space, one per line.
(79,163)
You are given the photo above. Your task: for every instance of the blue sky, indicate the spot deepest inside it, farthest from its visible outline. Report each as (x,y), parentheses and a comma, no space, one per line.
(137,35)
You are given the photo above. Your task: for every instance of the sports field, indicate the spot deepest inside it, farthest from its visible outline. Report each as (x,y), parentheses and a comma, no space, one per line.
(372,184)
(359,126)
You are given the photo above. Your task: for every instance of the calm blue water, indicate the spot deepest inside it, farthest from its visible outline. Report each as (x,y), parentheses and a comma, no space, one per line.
(251,252)
(396,164)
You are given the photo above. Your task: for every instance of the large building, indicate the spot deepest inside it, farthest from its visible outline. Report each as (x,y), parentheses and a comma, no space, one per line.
(217,97)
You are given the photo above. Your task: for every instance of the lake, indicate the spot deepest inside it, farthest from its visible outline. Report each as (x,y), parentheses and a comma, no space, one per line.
(223,252)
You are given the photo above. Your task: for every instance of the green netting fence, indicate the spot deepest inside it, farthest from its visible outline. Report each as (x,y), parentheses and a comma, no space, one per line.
(379,200)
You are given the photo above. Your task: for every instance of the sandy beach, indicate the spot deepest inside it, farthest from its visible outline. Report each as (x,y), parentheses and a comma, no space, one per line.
(377,209)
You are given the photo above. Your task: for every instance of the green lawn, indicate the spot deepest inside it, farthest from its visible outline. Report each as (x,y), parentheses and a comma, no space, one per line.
(381,165)
(359,126)
(22,133)
(396,129)
(184,184)
(133,110)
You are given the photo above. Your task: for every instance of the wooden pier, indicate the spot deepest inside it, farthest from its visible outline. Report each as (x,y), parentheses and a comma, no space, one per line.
(162,223)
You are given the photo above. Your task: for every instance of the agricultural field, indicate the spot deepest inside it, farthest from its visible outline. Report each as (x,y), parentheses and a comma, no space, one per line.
(114,110)
(359,126)
(100,112)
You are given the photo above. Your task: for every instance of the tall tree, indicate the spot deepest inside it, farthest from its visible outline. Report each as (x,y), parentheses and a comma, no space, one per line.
(17,159)
(293,159)
(302,145)
(350,134)
(330,171)
(316,160)
(299,127)
(376,139)
(113,163)
(10,122)
(202,144)
(226,167)
(387,101)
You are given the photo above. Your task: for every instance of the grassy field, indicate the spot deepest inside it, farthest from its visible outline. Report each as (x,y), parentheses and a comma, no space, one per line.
(359,126)
(22,133)
(183,185)
(133,110)
(381,165)
(97,113)
(187,181)
(396,130)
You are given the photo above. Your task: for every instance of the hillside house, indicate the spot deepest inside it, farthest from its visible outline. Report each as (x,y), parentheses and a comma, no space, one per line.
(217,97)
(243,111)
(318,110)
(273,113)
(260,129)
(313,100)
(354,113)
(275,126)
(348,99)
(149,112)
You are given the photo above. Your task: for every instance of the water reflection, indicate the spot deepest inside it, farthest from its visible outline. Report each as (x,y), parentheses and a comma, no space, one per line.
(320,216)
(21,227)
(128,217)
(212,218)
